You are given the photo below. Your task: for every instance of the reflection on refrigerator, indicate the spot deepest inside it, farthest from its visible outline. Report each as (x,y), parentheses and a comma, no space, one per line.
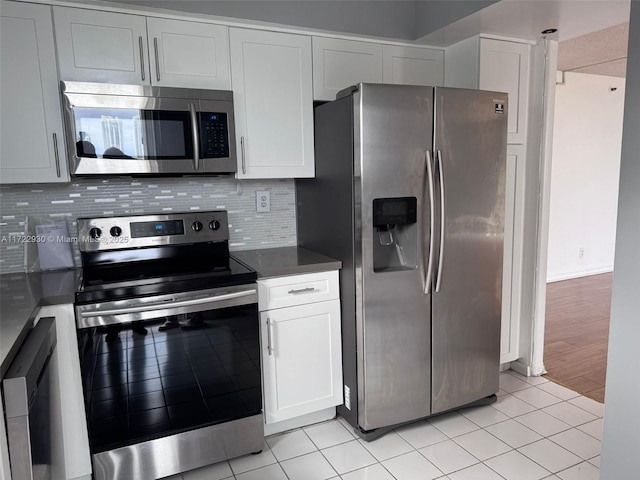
(409,195)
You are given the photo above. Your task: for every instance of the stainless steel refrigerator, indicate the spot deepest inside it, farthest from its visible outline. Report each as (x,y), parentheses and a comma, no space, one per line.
(409,195)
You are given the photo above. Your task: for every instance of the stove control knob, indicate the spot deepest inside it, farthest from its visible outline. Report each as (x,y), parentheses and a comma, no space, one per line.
(214,224)
(196,226)
(95,233)
(115,231)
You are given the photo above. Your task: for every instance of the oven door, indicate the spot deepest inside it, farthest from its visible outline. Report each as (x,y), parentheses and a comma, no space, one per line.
(171,383)
(126,134)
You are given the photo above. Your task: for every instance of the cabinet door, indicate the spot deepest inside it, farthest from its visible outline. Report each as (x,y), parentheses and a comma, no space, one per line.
(504,67)
(338,64)
(412,66)
(98,46)
(70,422)
(513,253)
(271,78)
(188,54)
(302,360)
(32,146)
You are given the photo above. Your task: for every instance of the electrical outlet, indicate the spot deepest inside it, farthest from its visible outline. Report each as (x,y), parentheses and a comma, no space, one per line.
(263,201)
(581,253)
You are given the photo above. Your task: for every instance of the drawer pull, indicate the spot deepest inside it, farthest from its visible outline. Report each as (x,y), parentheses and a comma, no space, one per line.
(301,290)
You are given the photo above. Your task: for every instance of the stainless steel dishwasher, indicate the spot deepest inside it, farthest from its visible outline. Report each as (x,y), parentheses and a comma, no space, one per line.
(27,396)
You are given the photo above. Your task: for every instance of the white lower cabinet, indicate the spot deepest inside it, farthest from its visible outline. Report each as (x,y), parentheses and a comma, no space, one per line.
(70,422)
(301,354)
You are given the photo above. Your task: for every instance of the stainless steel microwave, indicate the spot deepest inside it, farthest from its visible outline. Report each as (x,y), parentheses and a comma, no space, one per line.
(144,130)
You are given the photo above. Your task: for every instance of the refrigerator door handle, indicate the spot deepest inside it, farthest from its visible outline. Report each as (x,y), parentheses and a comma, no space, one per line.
(442,220)
(430,179)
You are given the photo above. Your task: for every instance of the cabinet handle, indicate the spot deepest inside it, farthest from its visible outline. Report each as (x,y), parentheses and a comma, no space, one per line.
(155,48)
(301,290)
(141,46)
(56,154)
(244,165)
(269,346)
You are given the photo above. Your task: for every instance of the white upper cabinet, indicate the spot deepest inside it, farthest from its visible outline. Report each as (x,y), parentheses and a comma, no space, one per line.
(497,65)
(188,54)
(272,88)
(98,46)
(504,67)
(412,66)
(32,146)
(338,64)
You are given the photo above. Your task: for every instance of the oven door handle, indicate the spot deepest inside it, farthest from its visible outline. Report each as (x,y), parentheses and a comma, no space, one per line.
(204,302)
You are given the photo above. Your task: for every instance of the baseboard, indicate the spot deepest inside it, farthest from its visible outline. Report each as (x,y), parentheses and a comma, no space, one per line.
(582,273)
(302,421)
(521,368)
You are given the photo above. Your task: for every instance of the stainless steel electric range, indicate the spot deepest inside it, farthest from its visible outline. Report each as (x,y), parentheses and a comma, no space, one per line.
(168,332)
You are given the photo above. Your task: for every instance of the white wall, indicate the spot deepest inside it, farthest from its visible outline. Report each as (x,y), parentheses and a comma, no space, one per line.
(587,140)
(620,446)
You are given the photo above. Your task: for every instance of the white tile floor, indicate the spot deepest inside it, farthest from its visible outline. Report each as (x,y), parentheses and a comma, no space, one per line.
(536,430)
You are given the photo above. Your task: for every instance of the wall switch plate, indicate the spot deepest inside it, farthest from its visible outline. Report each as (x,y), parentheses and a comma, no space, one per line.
(263,201)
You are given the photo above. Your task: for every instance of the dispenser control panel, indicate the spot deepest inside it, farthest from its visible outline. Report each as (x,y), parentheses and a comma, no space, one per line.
(394,211)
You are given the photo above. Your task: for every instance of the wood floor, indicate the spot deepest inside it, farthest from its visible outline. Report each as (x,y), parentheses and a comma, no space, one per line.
(577,333)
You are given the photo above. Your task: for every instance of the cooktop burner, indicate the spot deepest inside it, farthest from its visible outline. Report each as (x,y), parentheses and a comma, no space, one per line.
(127,257)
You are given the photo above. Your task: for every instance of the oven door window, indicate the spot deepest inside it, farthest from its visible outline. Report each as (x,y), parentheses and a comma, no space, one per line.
(127,133)
(150,379)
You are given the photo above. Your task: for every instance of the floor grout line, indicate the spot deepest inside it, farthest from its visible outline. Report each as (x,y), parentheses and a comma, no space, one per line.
(446,438)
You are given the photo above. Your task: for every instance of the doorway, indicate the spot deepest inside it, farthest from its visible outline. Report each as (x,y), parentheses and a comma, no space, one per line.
(583,208)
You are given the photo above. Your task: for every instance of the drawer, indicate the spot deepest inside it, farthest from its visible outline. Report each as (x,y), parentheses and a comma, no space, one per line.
(297,290)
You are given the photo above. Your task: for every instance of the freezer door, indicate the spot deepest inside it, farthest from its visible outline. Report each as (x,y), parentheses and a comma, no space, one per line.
(392,134)
(470,149)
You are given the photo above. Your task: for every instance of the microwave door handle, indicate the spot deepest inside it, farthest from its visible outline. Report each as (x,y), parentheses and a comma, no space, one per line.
(196,138)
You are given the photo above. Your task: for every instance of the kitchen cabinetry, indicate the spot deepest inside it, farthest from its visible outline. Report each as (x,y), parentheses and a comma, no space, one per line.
(31,137)
(188,54)
(273,98)
(513,253)
(67,389)
(301,344)
(504,67)
(412,66)
(497,65)
(338,64)
(95,46)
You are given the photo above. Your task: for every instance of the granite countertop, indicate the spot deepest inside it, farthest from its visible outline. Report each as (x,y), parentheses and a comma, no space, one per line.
(21,294)
(275,262)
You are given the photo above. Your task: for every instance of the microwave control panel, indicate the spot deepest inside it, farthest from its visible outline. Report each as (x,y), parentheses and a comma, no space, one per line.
(214,135)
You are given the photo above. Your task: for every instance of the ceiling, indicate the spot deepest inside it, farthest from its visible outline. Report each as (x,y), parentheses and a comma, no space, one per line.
(603,52)
(592,34)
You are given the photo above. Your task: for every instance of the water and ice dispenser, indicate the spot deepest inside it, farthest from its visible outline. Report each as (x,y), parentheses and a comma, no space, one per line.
(395,235)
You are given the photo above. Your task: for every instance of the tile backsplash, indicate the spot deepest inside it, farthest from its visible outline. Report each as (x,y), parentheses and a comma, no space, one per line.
(130,196)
